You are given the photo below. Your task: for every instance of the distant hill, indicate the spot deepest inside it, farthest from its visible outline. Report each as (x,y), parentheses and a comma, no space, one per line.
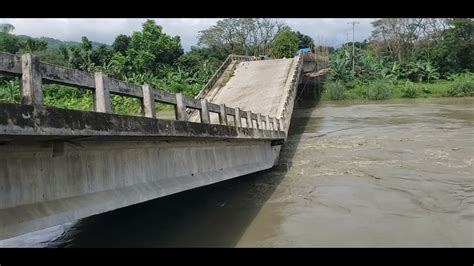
(54,43)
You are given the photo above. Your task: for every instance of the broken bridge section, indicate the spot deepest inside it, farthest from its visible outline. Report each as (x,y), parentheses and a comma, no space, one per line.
(59,165)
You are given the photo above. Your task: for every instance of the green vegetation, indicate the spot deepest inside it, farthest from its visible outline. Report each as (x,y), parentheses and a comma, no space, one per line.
(148,56)
(335,90)
(285,44)
(459,85)
(406,58)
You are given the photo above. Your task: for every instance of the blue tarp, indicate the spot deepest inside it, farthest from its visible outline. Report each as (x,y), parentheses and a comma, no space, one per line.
(303,50)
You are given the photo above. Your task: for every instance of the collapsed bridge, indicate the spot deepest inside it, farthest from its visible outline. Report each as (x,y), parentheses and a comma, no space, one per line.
(59,165)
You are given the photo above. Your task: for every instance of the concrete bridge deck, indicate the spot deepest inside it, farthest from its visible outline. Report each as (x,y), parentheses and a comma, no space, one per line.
(59,165)
(259,86)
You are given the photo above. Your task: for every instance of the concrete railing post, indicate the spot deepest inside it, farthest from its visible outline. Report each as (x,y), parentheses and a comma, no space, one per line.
(180,108)
(259,121)
(267,123)
(280,124)
(275,124)
(31,92)
(238,120)
(249,119)
(223,115)
(148,101)
(205,117)
(101,95)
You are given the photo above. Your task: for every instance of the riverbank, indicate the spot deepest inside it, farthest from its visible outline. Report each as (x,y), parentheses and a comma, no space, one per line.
(457,86)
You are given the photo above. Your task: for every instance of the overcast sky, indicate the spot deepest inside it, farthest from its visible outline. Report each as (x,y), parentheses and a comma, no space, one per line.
(330,31)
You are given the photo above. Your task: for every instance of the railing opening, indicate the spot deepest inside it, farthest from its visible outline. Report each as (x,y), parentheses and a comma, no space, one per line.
(68,97)
(214,117)
(124,105)
(9,89)
(231,120)
(165,111)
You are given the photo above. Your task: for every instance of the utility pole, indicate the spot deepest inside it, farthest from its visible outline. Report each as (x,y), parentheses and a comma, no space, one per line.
(353,47)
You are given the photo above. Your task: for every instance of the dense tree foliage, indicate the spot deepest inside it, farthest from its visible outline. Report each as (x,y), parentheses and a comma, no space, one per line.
(121,44)
(248,36)
(285,44)
(304,41)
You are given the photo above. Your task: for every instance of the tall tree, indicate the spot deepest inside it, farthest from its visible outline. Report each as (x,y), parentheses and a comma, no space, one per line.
(6,28)
(248,36)
(304,41)
(8,42)
(151,48)
(455,51)
(285,44)
(121,43)
(398,35)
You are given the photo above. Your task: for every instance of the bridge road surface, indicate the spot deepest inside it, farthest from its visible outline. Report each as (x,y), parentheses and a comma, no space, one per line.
(259,86)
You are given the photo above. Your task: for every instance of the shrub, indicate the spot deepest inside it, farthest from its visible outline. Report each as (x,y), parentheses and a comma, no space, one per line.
(461,88)
(335,90)
(378,90)
(409,90)
(463,85)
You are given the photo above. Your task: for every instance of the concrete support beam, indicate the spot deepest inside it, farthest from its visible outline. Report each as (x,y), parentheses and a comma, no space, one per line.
(148,101)
(223,115)
(205,116)
(31,92)
(180,108)
(238,119)
(101,95)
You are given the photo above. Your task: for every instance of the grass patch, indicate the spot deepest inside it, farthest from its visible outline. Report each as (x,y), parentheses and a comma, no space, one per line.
(334,90)
(460,85)
(409,90)
(378,90)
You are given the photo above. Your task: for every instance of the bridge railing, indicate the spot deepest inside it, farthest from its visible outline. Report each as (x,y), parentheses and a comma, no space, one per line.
(33,73)
(288,105)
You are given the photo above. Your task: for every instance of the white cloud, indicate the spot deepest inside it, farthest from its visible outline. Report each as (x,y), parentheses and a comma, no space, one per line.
(330,31)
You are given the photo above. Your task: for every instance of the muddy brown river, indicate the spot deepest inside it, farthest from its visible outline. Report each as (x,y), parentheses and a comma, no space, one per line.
(395,173)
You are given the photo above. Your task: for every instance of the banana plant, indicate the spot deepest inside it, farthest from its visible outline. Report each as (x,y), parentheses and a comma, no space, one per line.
(10,90)
(431,72)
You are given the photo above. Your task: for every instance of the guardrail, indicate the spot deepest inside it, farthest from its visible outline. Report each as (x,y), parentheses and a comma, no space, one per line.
(288,105)
(33,73)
